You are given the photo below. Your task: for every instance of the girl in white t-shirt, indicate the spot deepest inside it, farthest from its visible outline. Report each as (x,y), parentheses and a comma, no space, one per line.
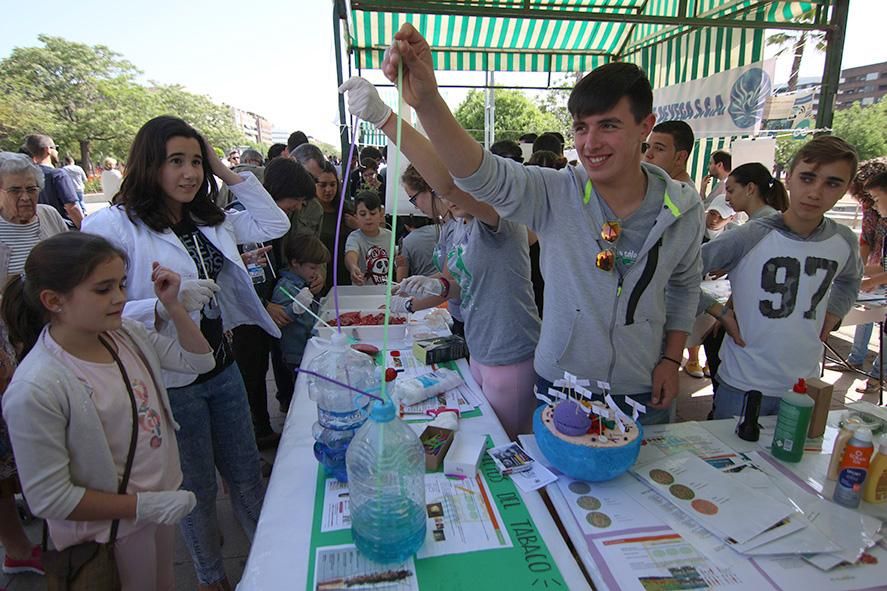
(70,412)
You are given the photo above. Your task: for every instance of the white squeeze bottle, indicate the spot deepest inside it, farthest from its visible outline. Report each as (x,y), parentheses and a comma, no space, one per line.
(419,388)
(841,440)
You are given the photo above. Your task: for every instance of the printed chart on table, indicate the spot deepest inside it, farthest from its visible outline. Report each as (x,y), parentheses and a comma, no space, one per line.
(460,515)
(634,548)
(668,440)
(341,568)
(336,512)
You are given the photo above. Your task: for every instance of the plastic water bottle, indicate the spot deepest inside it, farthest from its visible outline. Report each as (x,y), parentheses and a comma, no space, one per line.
(386,483)
(255,270)
(340,412)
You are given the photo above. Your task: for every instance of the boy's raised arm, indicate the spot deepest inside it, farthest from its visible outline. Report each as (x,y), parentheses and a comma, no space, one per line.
(459,151)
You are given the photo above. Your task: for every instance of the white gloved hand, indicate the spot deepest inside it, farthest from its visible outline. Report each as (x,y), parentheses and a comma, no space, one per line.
(194,294)
(399,305)
(164,507)
(419,285)
(364,101)
(305,297)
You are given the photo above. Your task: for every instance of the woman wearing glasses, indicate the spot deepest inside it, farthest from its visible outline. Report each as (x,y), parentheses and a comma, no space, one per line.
(419,248)
(23,223)
(487,265)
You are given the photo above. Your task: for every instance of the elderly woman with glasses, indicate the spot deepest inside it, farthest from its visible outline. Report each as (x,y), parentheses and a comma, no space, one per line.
(23,223)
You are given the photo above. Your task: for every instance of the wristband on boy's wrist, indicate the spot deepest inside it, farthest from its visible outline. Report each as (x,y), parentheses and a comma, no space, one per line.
(409,305)
(672,359)
(446,287)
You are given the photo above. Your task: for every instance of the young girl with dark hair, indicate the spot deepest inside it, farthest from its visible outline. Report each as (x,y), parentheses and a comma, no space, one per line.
(166,211)
(751,188)
(71,404)
(329,189)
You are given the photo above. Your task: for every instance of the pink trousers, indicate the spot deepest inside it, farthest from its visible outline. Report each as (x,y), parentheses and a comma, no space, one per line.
(145,559)
(509,390)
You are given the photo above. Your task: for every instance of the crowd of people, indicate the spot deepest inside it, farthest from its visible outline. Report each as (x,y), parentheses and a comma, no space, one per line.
(135,341)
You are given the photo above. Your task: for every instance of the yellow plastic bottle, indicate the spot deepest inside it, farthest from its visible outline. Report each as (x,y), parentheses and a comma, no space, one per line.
(875,488)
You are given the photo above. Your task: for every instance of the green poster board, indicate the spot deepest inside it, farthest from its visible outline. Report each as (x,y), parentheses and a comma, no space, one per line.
(526,565)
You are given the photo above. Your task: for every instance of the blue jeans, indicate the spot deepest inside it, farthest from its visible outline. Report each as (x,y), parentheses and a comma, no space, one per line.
(216,433)
(728,402)
(860,349)
(875,372)
(653,416)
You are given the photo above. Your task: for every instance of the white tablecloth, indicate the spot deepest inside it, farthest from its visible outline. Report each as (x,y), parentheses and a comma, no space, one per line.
(280,551)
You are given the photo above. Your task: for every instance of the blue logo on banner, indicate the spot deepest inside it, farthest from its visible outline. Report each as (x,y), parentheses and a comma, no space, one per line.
(747,97)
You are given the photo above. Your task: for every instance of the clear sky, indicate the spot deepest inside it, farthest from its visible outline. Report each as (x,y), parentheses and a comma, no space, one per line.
(276,57)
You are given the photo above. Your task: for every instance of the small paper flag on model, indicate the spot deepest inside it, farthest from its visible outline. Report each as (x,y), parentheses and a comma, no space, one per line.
(637,407)
(600,411)
(620,416)
(584,392)
(557,394)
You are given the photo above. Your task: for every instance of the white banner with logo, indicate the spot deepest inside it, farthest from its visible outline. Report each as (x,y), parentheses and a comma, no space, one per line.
(727,103)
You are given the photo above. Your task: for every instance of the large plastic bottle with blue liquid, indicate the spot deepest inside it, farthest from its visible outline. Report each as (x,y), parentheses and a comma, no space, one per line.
(340,411)
(386,484)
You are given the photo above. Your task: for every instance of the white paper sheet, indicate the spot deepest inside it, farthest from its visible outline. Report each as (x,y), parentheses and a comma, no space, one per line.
(792,573)
(336,513)
(851,530)
(721,504)
(462,517)
(343,568)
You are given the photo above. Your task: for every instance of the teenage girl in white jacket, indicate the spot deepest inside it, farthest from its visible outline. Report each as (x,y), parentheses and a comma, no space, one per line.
(165,211)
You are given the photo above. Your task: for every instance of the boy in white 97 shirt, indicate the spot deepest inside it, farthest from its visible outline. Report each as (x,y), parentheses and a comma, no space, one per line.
(793,275)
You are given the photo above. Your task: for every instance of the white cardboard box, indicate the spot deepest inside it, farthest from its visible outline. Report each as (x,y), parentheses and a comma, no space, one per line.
(465,454)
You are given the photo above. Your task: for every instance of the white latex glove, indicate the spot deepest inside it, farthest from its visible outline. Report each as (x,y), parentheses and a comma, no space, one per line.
(399,305)
(419,285)
(364,101)
(164,507)
(304,297)
(194,294)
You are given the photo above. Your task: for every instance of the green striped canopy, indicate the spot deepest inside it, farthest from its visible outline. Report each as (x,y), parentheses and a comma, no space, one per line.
(545,39)
(542,36)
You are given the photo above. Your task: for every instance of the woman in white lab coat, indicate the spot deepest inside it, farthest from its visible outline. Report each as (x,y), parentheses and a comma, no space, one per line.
(165,211)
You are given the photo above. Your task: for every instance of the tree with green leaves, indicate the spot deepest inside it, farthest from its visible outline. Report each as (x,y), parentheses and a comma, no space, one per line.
(515,115)
(87,93)
(213,121)
(87,98)
(864,128)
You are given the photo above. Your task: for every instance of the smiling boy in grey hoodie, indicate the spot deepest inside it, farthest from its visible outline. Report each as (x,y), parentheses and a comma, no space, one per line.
(619,239)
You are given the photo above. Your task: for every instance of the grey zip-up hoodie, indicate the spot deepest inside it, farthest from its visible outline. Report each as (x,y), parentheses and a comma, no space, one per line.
(594,327)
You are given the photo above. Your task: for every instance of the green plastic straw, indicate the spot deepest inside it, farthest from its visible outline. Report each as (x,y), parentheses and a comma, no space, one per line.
(391,247)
